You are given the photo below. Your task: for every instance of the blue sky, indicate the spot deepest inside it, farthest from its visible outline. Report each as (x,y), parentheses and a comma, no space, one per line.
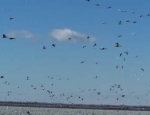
(39,23)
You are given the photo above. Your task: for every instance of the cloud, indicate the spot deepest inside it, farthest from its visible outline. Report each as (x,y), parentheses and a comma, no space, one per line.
(65,34)
(21,34)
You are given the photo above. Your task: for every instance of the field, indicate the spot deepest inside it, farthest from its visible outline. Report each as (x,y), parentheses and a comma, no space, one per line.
(7,110)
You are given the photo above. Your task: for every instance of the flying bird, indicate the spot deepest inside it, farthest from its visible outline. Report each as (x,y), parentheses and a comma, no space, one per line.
(12,38)
(119,22)
(117,45)
(119,35)
(53,45)
(142,69)
(82,62)
(97,4)
(104,22)
(11,18)
(102,48)
(4,36)
(44,47)
(88,37)
(108,7)
(94,45)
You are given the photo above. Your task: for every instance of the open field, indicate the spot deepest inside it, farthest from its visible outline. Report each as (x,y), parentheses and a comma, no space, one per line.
(64,111)
(19,108)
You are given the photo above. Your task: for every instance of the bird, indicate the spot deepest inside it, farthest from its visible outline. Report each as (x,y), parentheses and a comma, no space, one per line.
(104,22)
(102,48)
(53,45)
(83,46)
(11,18)
(117,67)
(134,22)
(141,16)
(87,0)
(121,54)
(1,76)
(142,69)
(108,7)
(44,47)
(119,23)
(119,35)
(94,45)
(69,38)
(126,52)
(127,20)
(148,15)
(123,95)
(82,62)
(97,4)
(4,36)
(12,38)
(117,45)
(88,37)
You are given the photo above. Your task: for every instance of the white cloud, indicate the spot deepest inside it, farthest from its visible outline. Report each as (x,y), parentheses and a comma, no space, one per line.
(65,34)
(21,34)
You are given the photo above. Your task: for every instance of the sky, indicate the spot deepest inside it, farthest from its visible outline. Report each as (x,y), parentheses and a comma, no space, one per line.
(70,25)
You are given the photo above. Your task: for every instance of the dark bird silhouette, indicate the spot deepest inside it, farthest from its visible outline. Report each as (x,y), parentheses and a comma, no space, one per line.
(134,22)
(4,36)
(142,69)
(126,52)
(83,46)
(104,22)
(108,7)
(53,45)
(119,35)
(2,76)
(127,20)
(141,16)
(44,47)
(28,113)
(117,45)
(120,54)
(69,38)
(11,18)
(12,38)
(88,37)
(82,62)
(119,23)
(87,0)
(97,4)
(94,45)
(102,48)
(123,95)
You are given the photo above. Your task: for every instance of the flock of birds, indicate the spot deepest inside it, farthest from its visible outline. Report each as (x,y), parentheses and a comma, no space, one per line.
(116,88)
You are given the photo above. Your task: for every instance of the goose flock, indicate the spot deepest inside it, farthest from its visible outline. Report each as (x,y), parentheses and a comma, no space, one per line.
(98,88)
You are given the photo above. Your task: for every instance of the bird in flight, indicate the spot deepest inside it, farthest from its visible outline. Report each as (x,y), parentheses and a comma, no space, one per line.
(53,45)
(11,18)
(4,36)
(12,38)
(142,69)
(102,48)
(119,22)
(82,62)
(44,47)
(104,22)
(94,45)
(108,7)
(117,45)
(97,4)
